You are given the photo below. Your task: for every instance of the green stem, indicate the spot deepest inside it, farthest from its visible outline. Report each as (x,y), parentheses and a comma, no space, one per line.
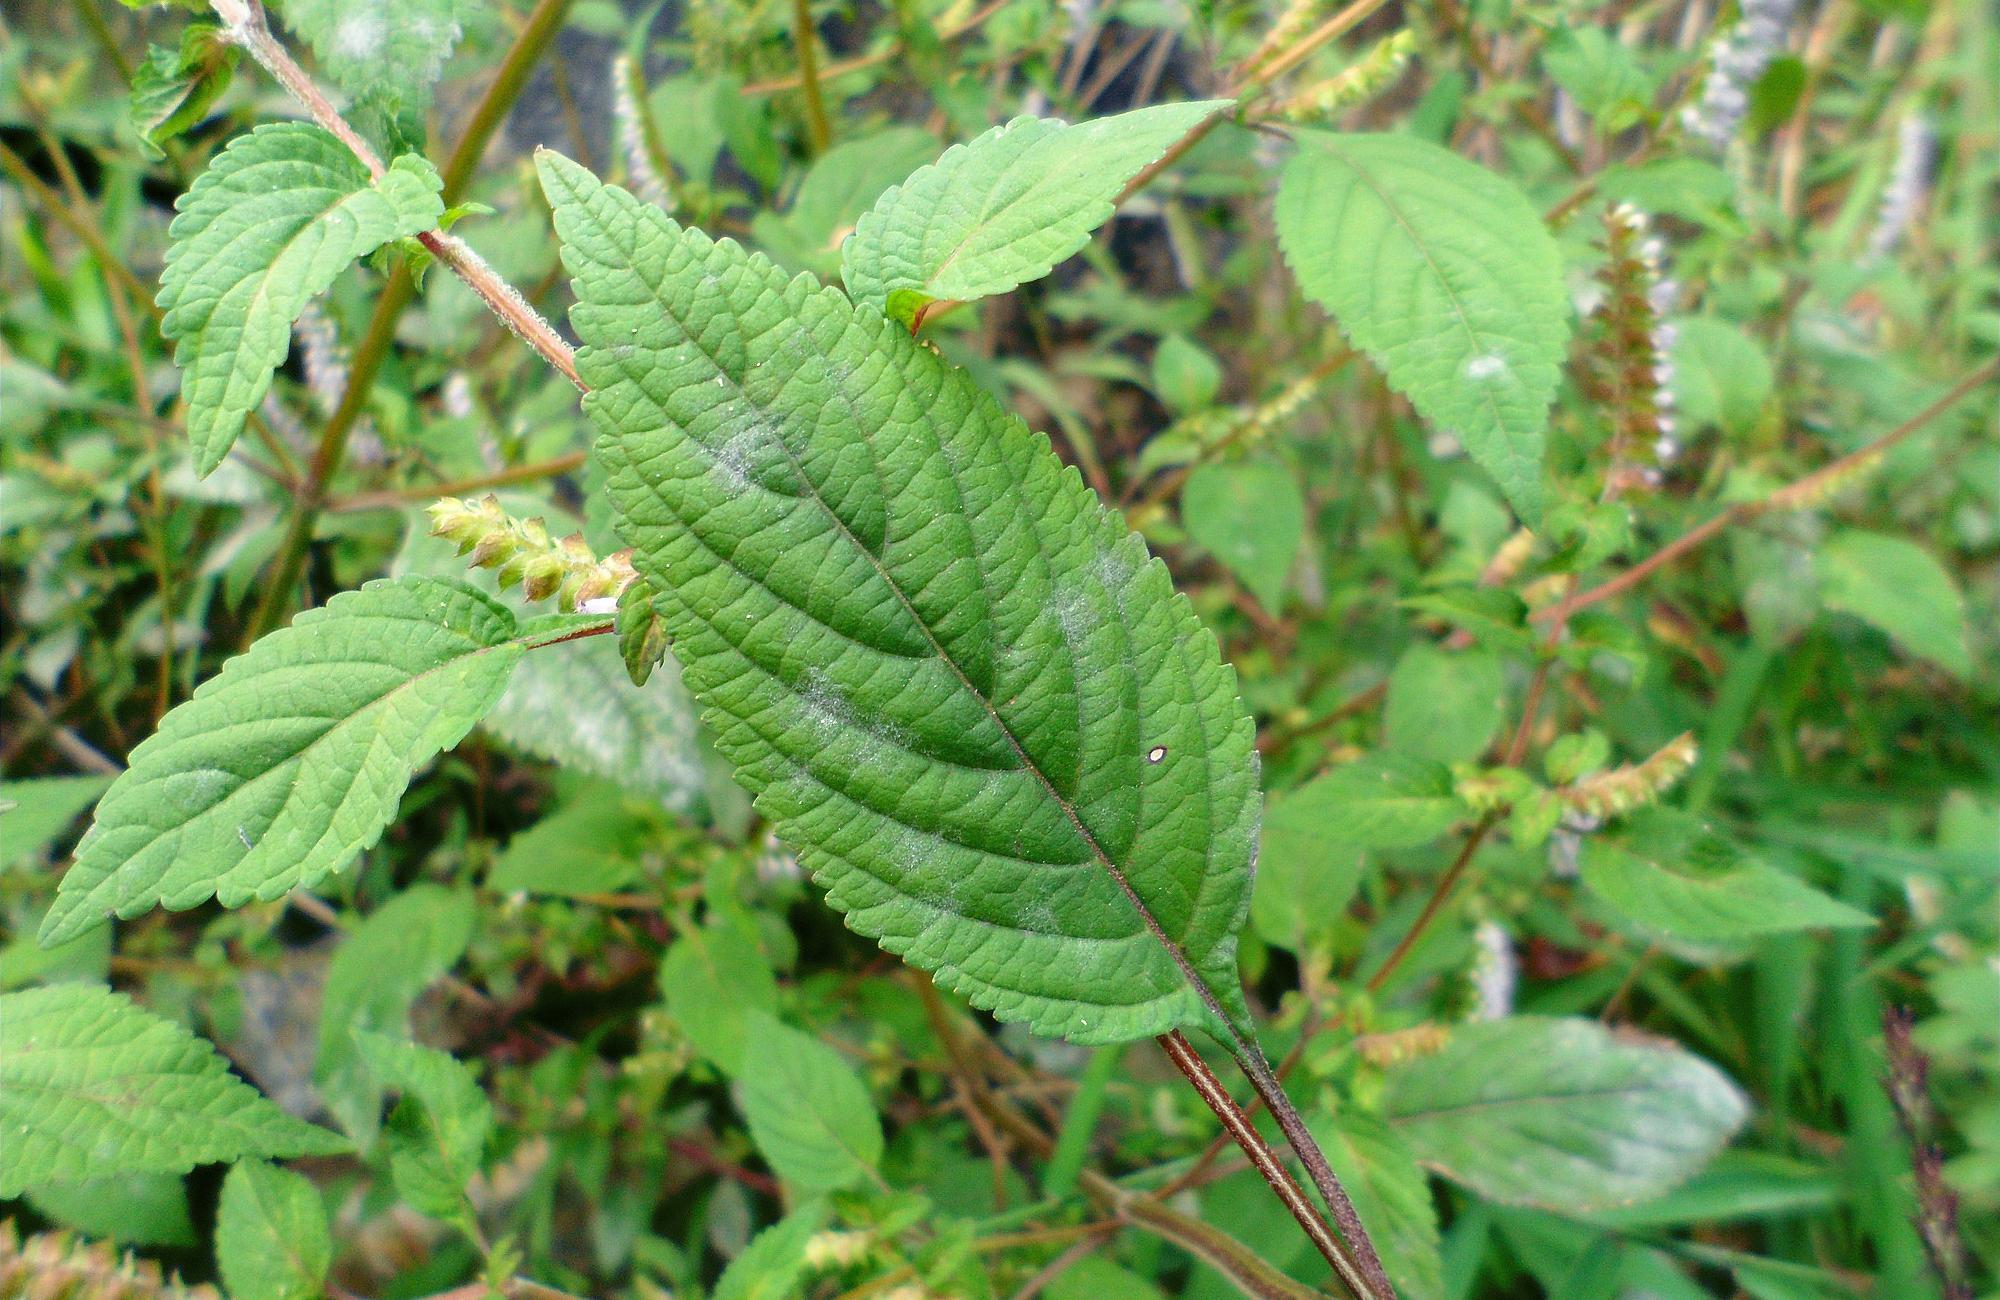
(806,37)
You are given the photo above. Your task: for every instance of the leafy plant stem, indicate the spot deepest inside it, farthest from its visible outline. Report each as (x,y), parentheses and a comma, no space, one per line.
(1800,492)
(806,38)
(390,498)
(1355,1262)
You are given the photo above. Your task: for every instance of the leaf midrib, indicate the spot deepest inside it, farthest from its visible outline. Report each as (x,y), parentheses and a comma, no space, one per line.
(1028,764)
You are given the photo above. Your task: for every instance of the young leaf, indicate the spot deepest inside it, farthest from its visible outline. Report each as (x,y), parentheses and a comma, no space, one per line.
(1250,515)
(268,226)
(1384,801)
(176,85)
(91,1085)
(1444,705)
(954,682)
(271,1236)
(388,51)
(714,980)
(807,1111)
(293,759)
(1446,278)
(1899,587)
(1669,873)
(437,1133)
(1004,209)
(1563,1114)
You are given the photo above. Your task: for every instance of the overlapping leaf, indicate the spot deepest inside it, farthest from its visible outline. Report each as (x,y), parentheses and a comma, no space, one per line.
(955,682)
(388,51)
(1005,208)
(1442,273)
(91,1085)
(268,226)
(293,758)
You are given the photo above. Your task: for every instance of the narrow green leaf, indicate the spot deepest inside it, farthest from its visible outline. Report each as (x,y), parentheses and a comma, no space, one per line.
(293,759)
(714,980)
(280,213)
(92,1085)
(955,683)
(1564,1114)
(1005,208)
(1671,874)
(271,1236)
(1901,588)
(1252,517)
(808,1113)
(1444,275)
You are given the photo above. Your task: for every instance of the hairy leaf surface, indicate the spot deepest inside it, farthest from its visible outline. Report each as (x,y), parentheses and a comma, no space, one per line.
(292,759)
(1561,1113)
(280,213)
(959,686)
(1005,208)
(1446,278)
(91,1085)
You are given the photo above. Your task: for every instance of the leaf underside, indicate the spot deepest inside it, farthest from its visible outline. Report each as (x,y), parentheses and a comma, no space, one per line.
(1002,210)
(293,759)
(92,1086)
(280,213)
(1445,276)
(957,685)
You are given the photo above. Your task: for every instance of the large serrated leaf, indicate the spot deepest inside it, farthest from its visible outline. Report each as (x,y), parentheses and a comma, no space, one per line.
(279,214)
(954,681)
(1561,1113)
(1005,208)
(91,1085)
(1443,274)
(292,760)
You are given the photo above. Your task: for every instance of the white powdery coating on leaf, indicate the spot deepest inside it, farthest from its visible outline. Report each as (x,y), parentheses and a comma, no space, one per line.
(1486,367)
(359,35)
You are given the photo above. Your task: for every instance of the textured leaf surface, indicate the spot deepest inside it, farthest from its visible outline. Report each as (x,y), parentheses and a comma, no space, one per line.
(1384,801)
(271,1237)
(390,51)
(1673,876)
(292,759)
(1561,1113)
(437,1133)
(1444,275)
(1005,208)
(807,1111)
(956,684)
(92,1085)
(280,213)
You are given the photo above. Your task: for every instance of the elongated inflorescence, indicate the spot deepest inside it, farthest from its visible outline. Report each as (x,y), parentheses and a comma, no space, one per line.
(521,550)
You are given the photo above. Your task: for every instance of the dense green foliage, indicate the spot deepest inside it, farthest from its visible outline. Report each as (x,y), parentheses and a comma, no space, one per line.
(1495,626)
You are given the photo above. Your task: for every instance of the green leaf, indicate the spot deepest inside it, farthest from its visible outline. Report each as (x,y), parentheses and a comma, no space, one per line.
(91,1085)
(590,845)
(34,813)
(808,1112)
(133,1210)
(1444,275)
(280,213)
(1899,587)
(1392,1195)
(437,1134)
(1384,801)
(1306,873)
(375,976)
(774,1264)
(1671,874)
(714,979)
(1005,208)
(1444,705)
(176,85)
(271,1236)
(1185,375)
(841,185)
(1251,516)
(1721,376)
(954,681)
(387,51)
(294,758)
(1561,1113)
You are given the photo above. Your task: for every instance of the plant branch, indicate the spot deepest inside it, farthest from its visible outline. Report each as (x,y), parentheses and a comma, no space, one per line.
(1792,496)
(1355,1261)
(806,37)
(390,498)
